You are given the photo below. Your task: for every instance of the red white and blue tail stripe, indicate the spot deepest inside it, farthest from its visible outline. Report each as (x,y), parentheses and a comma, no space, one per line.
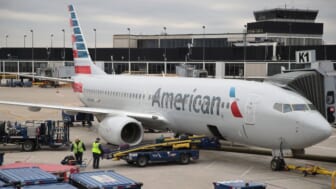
(82,59)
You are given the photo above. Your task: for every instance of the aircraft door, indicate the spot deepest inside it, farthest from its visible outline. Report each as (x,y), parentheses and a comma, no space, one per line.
(250,110)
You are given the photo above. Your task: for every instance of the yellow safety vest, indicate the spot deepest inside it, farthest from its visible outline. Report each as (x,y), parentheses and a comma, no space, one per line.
(78,148)
(95,148)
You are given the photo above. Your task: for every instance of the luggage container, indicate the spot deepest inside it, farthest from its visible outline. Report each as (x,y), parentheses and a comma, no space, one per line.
(2,184)
(103,179)
(238,184)
(27,176)
(61,171)
(51,186)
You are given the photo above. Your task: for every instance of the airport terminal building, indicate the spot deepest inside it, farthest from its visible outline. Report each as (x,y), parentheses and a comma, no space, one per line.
(264,48)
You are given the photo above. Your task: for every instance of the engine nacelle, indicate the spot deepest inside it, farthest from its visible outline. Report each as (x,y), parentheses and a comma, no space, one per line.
(121,130)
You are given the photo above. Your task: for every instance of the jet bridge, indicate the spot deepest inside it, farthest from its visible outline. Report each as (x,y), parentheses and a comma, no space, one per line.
(316,83)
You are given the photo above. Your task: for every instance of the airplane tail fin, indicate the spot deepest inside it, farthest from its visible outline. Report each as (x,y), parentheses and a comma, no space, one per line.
(82,59)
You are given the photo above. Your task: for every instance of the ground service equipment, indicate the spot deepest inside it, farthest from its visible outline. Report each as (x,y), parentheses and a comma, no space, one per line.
(314,170)
(85,118)
(175,151)
(31,135)
(103,179)
(238,184)
(30,178)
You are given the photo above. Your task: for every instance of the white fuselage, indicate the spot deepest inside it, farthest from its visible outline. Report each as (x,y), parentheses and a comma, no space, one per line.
(192,105)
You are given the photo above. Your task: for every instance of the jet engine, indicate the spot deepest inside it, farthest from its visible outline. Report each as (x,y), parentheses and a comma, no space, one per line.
(121,130)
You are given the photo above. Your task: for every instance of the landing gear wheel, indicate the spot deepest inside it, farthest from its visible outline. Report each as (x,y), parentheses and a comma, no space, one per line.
(184,159)
(142,161)
(28,145)
(277,164)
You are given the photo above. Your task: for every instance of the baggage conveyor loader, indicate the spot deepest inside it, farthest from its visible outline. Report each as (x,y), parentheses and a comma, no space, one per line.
(175,151)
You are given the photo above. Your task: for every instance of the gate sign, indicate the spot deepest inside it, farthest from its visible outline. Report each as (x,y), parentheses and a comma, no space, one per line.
(306,56)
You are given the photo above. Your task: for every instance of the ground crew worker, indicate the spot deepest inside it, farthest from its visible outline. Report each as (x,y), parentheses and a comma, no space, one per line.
(97,151)
(78,148)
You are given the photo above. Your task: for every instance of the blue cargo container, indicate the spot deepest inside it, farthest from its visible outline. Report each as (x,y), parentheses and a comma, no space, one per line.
(44,186)
(2,183)
(51,186)
(27,176)
(102,179)
(238,184)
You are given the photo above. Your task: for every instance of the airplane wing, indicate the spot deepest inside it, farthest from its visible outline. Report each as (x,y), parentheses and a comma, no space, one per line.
(95,111)
(40,77)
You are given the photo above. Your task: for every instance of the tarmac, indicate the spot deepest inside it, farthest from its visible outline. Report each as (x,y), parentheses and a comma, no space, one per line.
(211,167)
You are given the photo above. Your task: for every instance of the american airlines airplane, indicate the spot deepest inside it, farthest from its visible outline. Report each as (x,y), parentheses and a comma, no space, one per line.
(247,112)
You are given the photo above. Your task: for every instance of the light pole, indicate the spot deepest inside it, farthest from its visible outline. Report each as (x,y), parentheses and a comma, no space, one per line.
(6,40)
(165,47)
(244,43)
(165,51)
(51,40)
(113,72)
(95,41)
(289,45)
(63,44)
(203,50)
(24,41)
(129,50)
(51,45)
(32,32)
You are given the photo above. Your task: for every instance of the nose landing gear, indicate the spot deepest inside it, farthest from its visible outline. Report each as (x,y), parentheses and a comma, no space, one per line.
(278,164)
(278,161)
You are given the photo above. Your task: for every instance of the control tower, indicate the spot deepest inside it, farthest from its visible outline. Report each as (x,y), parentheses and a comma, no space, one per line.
(287,26)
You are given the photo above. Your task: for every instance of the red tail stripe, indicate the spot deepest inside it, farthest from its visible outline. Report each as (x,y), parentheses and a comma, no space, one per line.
(75,53)
(73,38)
(83,69)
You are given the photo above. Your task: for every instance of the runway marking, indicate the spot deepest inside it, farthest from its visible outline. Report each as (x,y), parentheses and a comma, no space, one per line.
(27,159)
(247,171)
(210,164)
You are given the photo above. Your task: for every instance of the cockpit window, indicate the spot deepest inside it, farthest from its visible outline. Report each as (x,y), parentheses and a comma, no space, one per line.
(278,106)
(300,107)
(284,108)
(287,108)
(312,107)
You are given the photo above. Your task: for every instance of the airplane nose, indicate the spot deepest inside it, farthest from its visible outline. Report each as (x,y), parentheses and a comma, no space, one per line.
(319,128)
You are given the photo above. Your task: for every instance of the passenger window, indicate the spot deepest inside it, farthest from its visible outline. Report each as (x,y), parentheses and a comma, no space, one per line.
(278,107)
(287,108)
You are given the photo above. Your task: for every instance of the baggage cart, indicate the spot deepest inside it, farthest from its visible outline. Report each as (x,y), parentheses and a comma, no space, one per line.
(27,176)
(102,179)
(238,184)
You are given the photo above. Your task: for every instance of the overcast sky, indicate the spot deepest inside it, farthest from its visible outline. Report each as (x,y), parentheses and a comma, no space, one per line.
(18,17)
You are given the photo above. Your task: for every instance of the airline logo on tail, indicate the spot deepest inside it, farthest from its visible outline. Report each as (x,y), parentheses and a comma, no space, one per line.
(80,52)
